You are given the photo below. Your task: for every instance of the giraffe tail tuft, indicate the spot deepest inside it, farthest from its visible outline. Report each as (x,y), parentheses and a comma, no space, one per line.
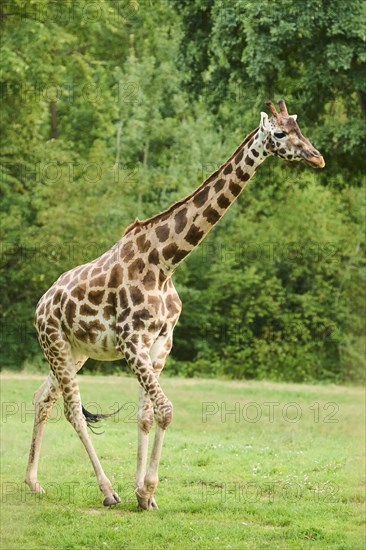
(92,419)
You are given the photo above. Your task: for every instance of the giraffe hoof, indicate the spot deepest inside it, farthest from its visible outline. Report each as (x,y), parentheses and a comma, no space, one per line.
(146,503)
(36,487)
(111,500)
(152,504)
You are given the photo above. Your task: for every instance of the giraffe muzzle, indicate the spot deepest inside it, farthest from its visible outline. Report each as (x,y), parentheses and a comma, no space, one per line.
(316,161)
(314,158)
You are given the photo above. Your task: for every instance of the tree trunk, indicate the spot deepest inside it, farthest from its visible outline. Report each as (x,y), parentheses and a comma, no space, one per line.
(362,101)
(144,164)
(53,111)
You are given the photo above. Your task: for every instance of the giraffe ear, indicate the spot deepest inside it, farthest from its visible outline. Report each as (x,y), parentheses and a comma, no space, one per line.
(264,126)
(293,116)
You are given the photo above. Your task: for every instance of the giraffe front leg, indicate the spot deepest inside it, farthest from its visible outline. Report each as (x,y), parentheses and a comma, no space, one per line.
(144,423)
(145,492)
(147,482)
(145,419)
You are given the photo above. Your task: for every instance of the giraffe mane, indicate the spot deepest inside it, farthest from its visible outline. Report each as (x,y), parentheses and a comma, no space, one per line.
(163,215)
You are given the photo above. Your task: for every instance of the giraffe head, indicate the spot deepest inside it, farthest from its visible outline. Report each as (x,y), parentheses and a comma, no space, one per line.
(283,137)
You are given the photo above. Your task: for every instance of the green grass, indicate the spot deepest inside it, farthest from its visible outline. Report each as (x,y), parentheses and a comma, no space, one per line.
(225,483)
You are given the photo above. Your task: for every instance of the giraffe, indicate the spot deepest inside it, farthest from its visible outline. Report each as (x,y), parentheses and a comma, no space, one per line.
(124,304)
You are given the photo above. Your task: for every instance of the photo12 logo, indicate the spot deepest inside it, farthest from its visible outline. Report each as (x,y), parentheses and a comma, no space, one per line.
(269,411)
(268,491)
(83,12)
(23,412)
(68,492)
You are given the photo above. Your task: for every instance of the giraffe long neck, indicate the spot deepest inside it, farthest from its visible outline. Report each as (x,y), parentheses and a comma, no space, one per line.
(181,228)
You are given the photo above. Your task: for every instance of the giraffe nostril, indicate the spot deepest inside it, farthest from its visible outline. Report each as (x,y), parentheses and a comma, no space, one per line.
(311,153)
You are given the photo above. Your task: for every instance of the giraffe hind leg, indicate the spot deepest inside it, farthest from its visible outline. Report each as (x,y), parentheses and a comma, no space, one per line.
(74,414)
(65,369)
(44,399)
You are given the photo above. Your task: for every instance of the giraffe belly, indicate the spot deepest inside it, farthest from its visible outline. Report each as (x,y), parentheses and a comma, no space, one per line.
(99,345)
(99,354)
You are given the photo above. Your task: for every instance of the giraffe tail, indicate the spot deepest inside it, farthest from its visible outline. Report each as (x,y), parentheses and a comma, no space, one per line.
(92,419)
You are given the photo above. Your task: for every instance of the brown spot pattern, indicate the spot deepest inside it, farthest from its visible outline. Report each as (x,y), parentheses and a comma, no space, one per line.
(105,343)
(239,156)
(179,256)
(112,299)
(169,251)
(249,161)
(149,281)
(123,300)
(223,201)
(239,172)
(171,305)
(139,318)
(235,188)
(219,185)
(98,281)
(96,271)
(211,215)
(85,309)
(201,197)
(110,309)
(228,169)
(162,232)
(180,220)
(153,257)
(57,296)
(93,328)
(194,235)
(115,278)
(70,311)
(136,268)
(78,292)
(136,295)
(155,302)
(96,297)
(127,252)
(142,244)
(123,316)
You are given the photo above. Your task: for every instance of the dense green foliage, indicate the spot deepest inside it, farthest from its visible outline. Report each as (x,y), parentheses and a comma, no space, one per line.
(112,110)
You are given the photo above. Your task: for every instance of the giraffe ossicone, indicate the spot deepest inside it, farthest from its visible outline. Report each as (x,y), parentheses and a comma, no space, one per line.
(124,304)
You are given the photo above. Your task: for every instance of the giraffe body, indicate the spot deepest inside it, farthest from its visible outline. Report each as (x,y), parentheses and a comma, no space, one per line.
(124,304)
(94,306)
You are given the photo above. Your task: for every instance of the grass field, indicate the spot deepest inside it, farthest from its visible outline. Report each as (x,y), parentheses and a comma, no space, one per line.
(245,465)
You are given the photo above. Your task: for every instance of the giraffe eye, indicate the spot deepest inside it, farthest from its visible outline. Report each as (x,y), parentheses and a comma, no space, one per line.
(279,135)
